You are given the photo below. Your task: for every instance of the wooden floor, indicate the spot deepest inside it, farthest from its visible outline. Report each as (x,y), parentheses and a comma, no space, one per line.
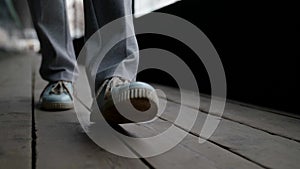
(247,137)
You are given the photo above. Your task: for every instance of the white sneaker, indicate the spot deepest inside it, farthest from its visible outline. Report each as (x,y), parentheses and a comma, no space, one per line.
(121,101)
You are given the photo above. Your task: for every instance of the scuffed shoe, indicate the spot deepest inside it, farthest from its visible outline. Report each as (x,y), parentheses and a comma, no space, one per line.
(121,101)
(57,96)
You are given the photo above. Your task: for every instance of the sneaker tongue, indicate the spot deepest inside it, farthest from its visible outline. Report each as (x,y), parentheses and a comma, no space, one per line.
(108,84)
(58,88)
(116,81)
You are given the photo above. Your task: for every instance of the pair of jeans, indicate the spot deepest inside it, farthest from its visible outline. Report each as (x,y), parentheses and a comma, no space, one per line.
(58,56)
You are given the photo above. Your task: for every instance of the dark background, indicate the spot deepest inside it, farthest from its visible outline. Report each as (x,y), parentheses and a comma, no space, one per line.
(258,43)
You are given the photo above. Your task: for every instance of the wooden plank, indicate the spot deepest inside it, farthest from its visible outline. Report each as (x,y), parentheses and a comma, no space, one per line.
(267,150)
(267,121)
(180,157)
(189,153)
(266,109)
(61,142)
(15,111)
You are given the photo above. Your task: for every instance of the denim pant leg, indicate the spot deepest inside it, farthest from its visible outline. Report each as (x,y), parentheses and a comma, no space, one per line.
(51,24)
(122,59)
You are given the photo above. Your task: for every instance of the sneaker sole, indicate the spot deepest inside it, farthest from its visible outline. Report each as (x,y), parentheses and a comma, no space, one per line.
(57,106)
(141,99)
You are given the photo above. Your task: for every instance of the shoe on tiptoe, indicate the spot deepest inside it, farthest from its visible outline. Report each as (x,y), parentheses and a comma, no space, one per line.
(121,101)
(57,96)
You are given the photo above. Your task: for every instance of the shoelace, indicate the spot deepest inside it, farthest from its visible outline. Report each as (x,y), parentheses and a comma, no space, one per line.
(59,88)
(110,83)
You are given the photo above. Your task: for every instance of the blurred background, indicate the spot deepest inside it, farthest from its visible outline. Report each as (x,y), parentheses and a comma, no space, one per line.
(258,43)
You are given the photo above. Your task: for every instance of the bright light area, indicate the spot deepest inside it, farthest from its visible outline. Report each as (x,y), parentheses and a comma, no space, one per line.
(143,7)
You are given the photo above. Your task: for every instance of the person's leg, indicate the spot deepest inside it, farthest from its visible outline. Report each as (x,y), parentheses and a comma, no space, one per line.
(115,86)
(122,59)
(51,24)
(59,65)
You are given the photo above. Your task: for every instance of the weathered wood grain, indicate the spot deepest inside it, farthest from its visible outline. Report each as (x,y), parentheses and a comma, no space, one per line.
(274,123)
(15,110)
(256,145)
(189,153)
